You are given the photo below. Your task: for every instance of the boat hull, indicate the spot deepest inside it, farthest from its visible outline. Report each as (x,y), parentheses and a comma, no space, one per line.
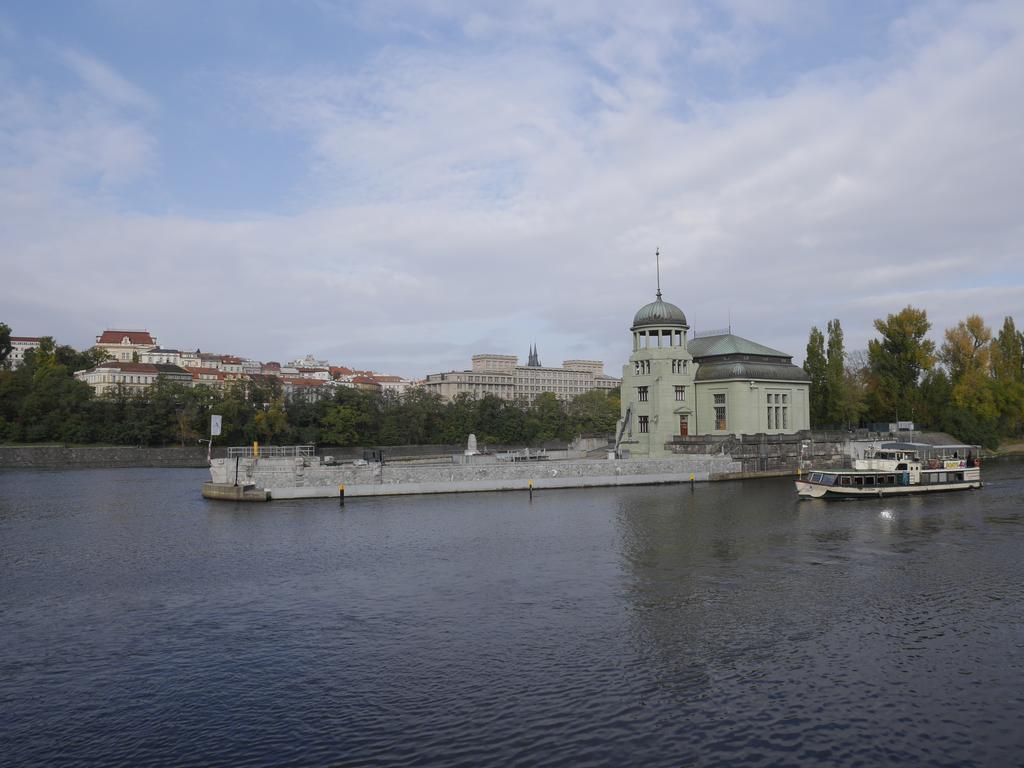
(806,490)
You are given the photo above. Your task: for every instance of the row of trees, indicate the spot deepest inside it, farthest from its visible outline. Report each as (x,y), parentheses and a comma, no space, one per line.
(42,401)
(971,386)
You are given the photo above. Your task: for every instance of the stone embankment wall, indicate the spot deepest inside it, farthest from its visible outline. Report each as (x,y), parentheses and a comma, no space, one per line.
(770,454)
(59,457)
(309,477)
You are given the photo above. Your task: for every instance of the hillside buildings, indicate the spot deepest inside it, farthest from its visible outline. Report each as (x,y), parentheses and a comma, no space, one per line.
(716,384)
(125,345)
(137,362)
(502,376)
(19,346)
(133,377)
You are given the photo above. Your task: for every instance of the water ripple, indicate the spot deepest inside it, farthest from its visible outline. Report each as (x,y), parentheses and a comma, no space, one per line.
(624,627)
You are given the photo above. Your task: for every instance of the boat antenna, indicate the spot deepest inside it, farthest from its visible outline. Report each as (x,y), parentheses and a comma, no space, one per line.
(657,267)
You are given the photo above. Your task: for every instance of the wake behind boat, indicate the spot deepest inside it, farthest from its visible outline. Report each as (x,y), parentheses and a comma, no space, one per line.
(896,470)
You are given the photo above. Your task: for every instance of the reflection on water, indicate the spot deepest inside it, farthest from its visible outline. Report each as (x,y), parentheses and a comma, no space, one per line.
(656,626)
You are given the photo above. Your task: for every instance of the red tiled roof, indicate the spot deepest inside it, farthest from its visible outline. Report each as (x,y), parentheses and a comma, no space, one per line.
(135,337)
(363,380)
(300,382)
(341,370)
(387,378)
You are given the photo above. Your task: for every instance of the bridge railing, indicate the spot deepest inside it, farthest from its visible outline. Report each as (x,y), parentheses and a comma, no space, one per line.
(271,451)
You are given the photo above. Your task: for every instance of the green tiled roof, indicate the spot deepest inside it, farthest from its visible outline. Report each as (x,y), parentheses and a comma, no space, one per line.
(729,344)
(659,312)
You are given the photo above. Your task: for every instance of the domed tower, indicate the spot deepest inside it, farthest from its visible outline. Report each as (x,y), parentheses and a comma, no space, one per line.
(657,382)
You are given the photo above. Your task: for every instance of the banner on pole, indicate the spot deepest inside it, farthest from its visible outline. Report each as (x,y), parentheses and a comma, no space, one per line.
(214,426)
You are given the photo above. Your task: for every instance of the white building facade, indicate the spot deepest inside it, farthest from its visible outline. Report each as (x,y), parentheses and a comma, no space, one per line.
(718,384)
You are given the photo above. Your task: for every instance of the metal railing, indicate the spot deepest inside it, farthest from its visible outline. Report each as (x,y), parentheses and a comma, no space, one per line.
(271,451)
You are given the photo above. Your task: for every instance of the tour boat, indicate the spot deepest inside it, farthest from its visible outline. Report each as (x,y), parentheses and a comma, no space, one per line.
(894,471)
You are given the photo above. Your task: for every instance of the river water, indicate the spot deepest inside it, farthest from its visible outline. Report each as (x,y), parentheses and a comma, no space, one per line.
(142,625)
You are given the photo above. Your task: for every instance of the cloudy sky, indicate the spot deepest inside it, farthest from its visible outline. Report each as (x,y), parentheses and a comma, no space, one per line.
(399,185)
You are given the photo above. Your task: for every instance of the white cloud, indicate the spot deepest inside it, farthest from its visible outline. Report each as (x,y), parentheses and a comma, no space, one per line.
(480,199)
(107,83)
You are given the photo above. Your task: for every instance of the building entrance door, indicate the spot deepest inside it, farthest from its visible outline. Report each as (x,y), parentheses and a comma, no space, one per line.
(684,425)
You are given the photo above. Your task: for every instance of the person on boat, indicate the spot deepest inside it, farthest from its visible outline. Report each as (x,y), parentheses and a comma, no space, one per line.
(970,458)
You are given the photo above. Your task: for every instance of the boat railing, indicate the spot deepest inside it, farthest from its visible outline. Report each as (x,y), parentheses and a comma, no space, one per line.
(270,451)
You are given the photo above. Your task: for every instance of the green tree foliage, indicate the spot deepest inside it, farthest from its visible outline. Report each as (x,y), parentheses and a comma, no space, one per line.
(5,344)
(594,413)
(1008,353)
(976,393)
(815,365)
(896,362)
(836,382)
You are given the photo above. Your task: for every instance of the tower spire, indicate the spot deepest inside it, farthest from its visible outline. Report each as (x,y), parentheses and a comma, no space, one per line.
(657,266)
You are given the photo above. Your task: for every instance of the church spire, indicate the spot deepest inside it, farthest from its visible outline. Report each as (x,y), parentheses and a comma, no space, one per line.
(533,361)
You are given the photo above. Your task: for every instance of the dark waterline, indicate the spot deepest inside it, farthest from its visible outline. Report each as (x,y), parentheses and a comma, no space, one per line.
(143,625)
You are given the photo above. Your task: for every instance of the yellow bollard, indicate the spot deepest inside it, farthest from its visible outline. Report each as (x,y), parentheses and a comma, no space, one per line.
(255,449)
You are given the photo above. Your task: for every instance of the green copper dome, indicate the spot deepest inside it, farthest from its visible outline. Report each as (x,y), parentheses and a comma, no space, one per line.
(659,312)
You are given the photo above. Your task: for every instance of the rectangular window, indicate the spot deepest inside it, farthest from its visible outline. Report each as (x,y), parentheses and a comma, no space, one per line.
(642,424)
(785,399)
(785,416)
(769,399)
(641,394)
(771,421)
(720,398)
(680,394)
(720,422)
(776,399)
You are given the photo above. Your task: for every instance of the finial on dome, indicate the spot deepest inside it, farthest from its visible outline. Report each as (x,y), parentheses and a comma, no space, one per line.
(657,263)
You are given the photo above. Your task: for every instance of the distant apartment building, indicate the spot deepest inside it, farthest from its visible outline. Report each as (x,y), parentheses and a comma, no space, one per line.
(125,345)
(502,376)
(395,384)
(170,357)
(310,390)
(115,374)
(309,362)
(19,346)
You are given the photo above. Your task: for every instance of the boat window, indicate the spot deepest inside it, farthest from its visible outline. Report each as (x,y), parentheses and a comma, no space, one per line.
(901,466)
(845,480)
(941,477)
(815,477)
(828,479)
(869,480)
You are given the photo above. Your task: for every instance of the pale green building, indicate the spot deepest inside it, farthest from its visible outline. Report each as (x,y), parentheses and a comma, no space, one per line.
(716,384)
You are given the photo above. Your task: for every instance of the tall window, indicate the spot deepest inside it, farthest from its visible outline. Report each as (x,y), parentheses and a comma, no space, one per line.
(720,420)
(680,393)
(641,394)
(678,366)
(642,367)
(642,424)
